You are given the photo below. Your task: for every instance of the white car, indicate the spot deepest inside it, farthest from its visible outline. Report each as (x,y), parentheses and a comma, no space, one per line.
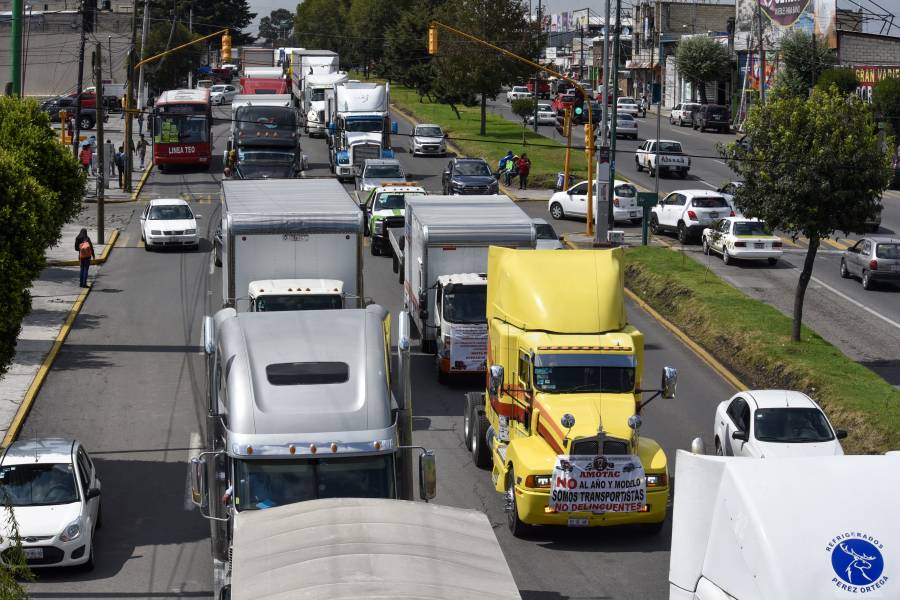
(688,213)
(518,92)
(52,486)
(630,106)
(774,424)
(545,115)
(547,238)
(222,94)
(169,222)
(744,239)
(573,202)
(683,114)
(428,138)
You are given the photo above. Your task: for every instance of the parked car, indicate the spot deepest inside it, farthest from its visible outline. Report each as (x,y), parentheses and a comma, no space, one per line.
(517,92)
(689,212)
(53,489)
(169,222)
(744,239)
(563,101)
(712,116)
(545,115)
(873,260)
(428,138)
(379,171)
(630,106)
(683,113)
(87,119)
(774,424)
(468,176)
(573,202)
(662,156)
(222,93)
(547,238)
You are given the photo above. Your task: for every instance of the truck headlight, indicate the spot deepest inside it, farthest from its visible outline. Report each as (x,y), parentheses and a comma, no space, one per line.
(72,531)
(658,480)
(379,227)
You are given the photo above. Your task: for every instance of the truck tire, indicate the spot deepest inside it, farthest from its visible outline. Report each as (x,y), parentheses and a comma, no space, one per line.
(375,248)
(481,454)
(637,165)
(467,419)
(516,527)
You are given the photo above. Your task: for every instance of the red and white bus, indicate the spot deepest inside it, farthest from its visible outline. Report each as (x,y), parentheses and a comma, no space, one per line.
(181,126)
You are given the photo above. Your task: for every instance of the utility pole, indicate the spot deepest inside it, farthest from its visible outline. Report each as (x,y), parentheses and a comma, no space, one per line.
(109,55)
(80,86)
(191,30)
(18,15)
(129,101)
(101,163)
(145,28)
(762,58)
(601,230)
(658,110)
(612,125)
(581,60)
(537,74)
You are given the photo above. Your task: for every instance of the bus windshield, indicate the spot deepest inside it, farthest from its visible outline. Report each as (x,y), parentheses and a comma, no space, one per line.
(181,129)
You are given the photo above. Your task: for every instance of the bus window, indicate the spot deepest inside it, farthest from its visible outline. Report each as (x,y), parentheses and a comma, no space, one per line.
(180,129)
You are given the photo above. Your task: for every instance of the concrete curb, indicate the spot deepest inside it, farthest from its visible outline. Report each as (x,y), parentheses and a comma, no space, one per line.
(140,185)
(19,419)
(113,237)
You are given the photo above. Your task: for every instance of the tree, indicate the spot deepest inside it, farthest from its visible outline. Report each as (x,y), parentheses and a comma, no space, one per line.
(845,80)
(886,101)
(209,17)
(813,166)
(277,26)
(523,108)
(700,60)
(367,22)
(168,72)
(14,567)
(406,57)
(323,24)
(42,187)
(803,57)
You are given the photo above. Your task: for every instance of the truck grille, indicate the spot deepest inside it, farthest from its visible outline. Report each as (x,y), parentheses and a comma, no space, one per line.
(365,151)
(592,447)
(390,222)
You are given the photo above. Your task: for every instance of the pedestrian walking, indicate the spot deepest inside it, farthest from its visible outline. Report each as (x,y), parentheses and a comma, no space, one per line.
(86,156)
(142,146)
(120,165)
(140,120)
(85,249)
(524,167)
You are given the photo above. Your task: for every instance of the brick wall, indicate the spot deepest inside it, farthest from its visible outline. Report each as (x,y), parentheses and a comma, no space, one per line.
(867,49)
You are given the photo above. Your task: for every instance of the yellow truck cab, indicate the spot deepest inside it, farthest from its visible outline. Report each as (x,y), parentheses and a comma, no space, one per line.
(559,424)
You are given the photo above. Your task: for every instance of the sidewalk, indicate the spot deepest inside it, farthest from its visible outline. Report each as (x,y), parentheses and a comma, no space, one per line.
(56,299)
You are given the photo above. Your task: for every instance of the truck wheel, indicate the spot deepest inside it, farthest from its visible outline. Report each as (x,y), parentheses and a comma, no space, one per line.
(516,526)
(467,423)
(375,248)
(481,454)
(637,165)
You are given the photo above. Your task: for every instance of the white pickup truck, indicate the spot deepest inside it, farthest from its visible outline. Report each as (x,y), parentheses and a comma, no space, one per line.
(661,156)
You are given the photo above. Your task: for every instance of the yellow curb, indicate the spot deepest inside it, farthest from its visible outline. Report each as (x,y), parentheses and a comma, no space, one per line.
(113,236)
(41,375)
(836,244)
(702,354)
(789,242)
(140,186)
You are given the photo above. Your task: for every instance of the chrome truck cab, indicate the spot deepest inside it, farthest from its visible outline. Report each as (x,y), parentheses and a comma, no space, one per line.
(300,408)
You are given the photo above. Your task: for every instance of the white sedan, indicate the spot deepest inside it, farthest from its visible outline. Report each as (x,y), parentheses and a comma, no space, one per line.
(52,486)
(573,202)
(628,105)
(518,92)
(774,424)
(741,238)
(222,93)
(169,222)
(545,115)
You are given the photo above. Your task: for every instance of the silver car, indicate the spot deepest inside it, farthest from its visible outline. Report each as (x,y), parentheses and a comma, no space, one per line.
(379,171)
(428,139)
(873,260)
(626,125)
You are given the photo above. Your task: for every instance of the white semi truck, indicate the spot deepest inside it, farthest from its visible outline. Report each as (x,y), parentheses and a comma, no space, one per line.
(785,528)
(306,62)
(317,93)
(300,407)
(361,126)
(290,244)
(445,266)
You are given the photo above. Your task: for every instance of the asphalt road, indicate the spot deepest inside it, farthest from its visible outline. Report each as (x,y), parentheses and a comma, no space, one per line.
(129,383)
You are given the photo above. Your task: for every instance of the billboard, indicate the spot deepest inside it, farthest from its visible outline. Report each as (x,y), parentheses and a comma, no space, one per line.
(779,17)
(869,75)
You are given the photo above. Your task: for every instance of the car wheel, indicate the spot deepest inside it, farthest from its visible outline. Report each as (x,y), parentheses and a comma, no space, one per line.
(637,165)
(652,171)
(654,224)
(516,526)
(845,273)
(556,211)
(86,123)
(481,454)
(773,262)
(726,258)
(147,247)
(99,515)
(671,121)
(867,282)
(705,247)
(682,234)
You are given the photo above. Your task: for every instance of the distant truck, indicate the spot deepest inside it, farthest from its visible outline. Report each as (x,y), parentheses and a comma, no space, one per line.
(361,126)
(369,542)
(290,244)
(662,156)
(746,529)
(318,92)
(306,62)
(264,141)
(560,421)
(445,261)
(264,80)
(256,57)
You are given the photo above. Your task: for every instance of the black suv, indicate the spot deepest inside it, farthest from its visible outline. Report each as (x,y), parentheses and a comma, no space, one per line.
(468,176)
(712,116)
(54,105)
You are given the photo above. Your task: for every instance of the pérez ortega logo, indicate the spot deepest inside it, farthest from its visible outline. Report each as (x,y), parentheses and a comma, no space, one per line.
(858,562)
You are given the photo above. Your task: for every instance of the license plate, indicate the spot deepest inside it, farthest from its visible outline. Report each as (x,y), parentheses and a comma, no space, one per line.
(578,522)
(295,237)
(713,215)
(759,245)
(34,553)
(632,214)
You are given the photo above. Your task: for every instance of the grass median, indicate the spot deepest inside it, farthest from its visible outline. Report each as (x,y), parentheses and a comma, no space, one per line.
(753,340)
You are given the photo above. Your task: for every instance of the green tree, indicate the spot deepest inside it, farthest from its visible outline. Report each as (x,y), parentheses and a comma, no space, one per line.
(803,58)
(277,26)
(169,72)
(14,568)
(700,60)
(886,101)
(42,187)
(845,80)
(367,22)
(814,166)
(323,24)
(210,17)
(523,108)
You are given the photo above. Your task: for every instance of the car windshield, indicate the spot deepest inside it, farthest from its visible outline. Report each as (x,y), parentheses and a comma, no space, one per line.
(217,88)
(268,483)
(473,167)
(364,126)
(39,484)
(298,302)
(390,201)
(520,89)
(709,202)
(626,191)
(627,101)
(386,171)
(170,213)
(545,107)
(888,251)
(429,132)
(690,107)
(751,228)
(791,425)
(671,147)
(544,231)
(465,304)
(565,379)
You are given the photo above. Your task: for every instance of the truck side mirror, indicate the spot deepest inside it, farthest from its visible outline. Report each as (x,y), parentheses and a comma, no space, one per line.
(740,435)
(427,475)
(669,382)
(698,446)
(209,335)
(495,380)
(198,482)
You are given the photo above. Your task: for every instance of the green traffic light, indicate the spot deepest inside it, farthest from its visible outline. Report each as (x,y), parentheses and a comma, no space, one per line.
(578,110)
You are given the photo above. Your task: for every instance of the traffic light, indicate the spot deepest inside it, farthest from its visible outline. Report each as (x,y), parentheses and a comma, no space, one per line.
(226,47)
(432,39)
(88,15)
(588,137)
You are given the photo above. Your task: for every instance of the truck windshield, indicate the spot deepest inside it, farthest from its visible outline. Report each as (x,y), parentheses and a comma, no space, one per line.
(364,126)
(465,304)
(266,121)
(567,373)
(317,95)
(298,302)
(268,483)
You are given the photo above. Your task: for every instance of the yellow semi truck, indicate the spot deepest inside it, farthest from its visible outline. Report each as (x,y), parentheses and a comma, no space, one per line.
(559,422)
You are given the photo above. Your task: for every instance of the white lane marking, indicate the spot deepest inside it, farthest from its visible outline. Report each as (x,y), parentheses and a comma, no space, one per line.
(704,182)
(856,303)
(194,449)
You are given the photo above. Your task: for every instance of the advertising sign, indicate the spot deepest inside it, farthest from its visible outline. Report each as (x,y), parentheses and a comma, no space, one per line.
(598,484)
(780,17)
(468,347)
(869,75)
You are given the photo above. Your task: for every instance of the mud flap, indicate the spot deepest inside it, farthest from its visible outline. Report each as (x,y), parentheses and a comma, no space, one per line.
(498,474)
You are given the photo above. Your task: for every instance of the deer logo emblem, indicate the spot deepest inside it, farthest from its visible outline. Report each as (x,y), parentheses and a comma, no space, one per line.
(857,561)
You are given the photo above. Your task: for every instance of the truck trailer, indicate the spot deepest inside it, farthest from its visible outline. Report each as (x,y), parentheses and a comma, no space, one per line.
(302,238)
(318,91)
(264,80)
(300,407)
(361,126)
(256,57)
(310,62)
(445,261)
(560,421)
